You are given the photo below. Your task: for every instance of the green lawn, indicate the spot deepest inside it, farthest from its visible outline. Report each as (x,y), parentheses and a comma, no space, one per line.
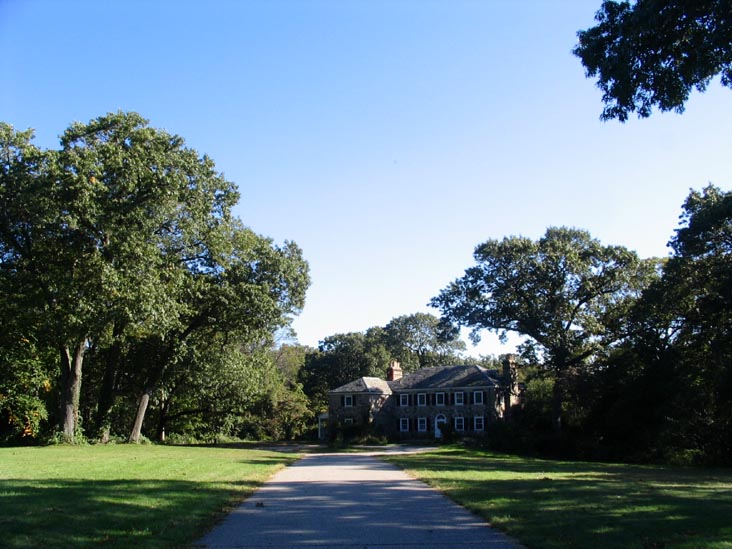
(122,495)
(553,504)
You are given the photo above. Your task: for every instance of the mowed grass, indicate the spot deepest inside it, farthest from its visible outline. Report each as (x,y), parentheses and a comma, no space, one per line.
(553,504)
(123,495)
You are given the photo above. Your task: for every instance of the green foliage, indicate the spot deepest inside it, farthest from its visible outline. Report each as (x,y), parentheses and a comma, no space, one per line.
(663,393)
(341,358)
(120,247)
(289,359)
(685,330)
(25,382)
(419,341)
(654,52)
(566,292)
(416,341)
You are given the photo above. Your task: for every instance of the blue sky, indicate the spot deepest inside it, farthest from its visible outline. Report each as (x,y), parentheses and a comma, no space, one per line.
(386,138)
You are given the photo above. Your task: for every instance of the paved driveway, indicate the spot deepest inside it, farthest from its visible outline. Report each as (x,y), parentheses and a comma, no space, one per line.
(354,501)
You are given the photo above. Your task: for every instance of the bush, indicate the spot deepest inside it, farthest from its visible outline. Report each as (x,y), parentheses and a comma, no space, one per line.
(684,457)
(448,433)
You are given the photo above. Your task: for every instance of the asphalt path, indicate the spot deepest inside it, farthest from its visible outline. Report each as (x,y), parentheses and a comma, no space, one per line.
(350,501)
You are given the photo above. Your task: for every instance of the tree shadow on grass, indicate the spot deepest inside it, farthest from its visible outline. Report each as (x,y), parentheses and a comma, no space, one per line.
(117,513)
(573,504)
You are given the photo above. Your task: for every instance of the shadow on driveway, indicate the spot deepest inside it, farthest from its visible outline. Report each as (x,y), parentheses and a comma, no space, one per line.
(350,500)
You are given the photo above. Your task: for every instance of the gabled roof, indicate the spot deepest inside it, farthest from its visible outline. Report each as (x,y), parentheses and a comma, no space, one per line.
(445,377)
(365,385)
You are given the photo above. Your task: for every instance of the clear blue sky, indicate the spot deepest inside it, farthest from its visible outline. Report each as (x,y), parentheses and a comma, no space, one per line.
(386,138)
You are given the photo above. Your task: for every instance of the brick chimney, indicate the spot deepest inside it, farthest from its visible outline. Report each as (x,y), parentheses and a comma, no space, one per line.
(394,371)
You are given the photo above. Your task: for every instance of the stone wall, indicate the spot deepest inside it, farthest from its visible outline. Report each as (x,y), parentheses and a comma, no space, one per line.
(432,406)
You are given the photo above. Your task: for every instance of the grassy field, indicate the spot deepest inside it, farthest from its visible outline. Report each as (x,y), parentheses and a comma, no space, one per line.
(553,504)
(122,495)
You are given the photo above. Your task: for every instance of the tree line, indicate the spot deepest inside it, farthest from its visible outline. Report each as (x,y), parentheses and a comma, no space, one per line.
(416,340)
(127,286)
(133,302)
(624,358)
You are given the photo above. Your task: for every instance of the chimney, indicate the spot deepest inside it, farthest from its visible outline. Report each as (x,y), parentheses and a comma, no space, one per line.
(394,371)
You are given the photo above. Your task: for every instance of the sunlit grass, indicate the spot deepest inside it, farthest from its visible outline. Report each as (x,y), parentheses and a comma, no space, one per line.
(553,504)
(122,495)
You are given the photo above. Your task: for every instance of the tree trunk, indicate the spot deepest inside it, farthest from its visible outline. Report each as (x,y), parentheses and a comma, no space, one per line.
(70,382)
(107,394)
(140,417)
(557,398)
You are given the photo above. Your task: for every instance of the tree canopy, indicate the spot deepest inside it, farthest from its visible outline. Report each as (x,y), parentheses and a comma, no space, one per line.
(563,291)
(418,341)
(688,323)
(121,243)
(655,52)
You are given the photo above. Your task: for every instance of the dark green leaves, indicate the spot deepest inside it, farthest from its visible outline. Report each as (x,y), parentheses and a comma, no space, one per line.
(654,52)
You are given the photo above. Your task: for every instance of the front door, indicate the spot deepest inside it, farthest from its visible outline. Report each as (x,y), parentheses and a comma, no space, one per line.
(439,421)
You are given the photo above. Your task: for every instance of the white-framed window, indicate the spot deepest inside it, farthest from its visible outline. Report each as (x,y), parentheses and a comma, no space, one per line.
(404,399)
(478,397)
(348,421)
(422,424)
(459,423)
(478,423)
(459,398)
(404,425)
(421,399)
(347,401)
(439,399)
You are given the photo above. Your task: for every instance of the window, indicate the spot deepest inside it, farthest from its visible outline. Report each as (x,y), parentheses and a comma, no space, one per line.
(478,397)
(422,424)
(459,398)
(421,399)
(459,423)
(403,399)
(478,423)
(348,401)
(404,425)
(439,399)
(348,421)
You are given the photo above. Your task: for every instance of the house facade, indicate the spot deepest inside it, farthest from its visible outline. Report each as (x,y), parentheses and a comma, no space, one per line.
(425,403)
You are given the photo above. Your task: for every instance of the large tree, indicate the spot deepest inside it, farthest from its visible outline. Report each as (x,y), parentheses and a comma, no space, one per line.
(564,292)
(691,307)
(98,236)
(418,341)
(654,52)
(243,296)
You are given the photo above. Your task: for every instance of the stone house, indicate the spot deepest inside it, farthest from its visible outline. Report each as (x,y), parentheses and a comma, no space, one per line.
(421,404)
